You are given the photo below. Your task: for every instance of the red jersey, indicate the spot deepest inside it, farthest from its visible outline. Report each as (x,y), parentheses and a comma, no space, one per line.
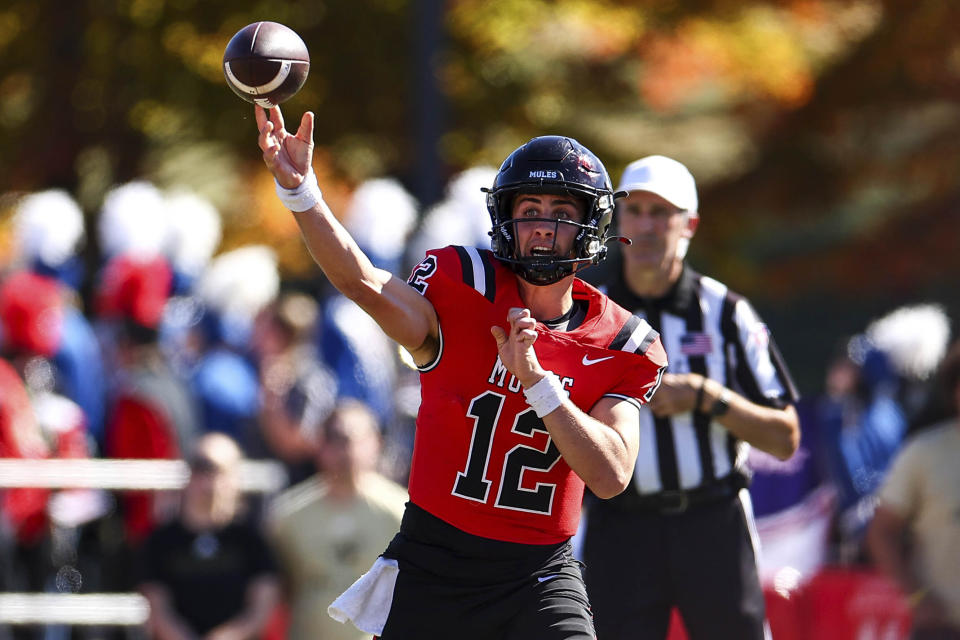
(483,461)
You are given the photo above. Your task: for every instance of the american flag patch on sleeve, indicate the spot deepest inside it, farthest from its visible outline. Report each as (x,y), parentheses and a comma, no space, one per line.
(696,344)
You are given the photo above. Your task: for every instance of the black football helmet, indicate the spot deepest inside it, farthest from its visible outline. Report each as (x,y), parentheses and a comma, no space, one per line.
(556,165)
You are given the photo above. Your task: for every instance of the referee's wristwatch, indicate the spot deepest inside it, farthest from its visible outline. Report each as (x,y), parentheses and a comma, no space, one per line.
(722,404)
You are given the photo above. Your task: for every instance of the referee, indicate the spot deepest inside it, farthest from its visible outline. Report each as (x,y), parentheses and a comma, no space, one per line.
(682,535)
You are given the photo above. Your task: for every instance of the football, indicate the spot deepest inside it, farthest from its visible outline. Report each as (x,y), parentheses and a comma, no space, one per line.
(266,63)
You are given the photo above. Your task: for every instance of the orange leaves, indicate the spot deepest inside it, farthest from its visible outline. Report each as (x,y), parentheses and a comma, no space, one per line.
(760,53)
(266,221)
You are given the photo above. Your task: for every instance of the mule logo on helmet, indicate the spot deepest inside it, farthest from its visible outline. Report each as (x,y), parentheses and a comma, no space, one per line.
(543,174)
(584,163)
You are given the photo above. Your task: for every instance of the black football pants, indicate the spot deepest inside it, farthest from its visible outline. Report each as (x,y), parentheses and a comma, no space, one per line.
(447,589)
(640,564)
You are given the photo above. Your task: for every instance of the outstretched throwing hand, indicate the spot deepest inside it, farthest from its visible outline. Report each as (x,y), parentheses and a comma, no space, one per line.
(288,156)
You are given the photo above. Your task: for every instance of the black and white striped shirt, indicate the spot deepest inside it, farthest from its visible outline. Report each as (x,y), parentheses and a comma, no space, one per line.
(705,328)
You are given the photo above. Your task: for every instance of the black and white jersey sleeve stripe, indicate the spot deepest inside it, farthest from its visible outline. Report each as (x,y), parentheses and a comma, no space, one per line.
(635,336)
(629,399)
(478,271)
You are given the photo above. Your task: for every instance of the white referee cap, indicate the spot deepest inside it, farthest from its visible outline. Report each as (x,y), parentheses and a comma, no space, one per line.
(663,176)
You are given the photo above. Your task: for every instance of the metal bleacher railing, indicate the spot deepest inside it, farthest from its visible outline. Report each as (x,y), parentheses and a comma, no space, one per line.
(123,609)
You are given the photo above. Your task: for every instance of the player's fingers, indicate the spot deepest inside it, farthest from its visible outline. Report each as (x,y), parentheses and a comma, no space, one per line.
(525,323)
(260,115)
(270,146)
(277,117)
(515,313)
(305,132)
(527,336)
(499,335)
(672,380)
(264,139)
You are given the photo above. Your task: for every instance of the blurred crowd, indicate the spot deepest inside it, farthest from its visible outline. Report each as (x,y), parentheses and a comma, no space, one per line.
(879,387)
(186,352)
(180,341)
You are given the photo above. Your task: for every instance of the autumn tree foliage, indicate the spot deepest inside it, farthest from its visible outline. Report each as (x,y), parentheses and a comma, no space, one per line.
(821,131)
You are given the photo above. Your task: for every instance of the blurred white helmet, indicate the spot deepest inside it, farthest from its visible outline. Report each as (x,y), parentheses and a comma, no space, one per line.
(241,282)
(193,233)
(380,216)
(465,186)
(914,337)
(132,221)
(461,218)
(48,226)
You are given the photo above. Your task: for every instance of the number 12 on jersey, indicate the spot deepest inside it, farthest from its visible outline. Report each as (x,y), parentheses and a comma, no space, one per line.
(473,483)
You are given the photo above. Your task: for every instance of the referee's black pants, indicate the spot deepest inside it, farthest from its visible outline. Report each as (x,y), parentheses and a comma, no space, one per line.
(641,563)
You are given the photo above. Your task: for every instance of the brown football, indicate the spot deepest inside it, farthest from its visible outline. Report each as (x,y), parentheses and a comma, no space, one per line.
(266,63)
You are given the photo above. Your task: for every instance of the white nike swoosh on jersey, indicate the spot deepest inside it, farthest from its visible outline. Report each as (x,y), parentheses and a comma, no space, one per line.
(545,578)
(587,361)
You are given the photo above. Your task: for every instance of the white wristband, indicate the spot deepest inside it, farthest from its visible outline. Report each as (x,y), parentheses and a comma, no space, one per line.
(304,196)
(546,395)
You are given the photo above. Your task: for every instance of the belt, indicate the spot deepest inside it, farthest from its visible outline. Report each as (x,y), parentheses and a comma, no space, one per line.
(674,502)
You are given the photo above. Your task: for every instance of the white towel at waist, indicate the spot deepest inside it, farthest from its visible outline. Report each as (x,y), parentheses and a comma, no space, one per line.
(367,602)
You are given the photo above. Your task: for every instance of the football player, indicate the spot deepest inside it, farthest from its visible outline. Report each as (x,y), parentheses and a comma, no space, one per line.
(531,383)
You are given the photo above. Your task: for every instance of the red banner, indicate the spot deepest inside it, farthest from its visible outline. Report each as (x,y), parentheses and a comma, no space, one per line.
(835,604)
